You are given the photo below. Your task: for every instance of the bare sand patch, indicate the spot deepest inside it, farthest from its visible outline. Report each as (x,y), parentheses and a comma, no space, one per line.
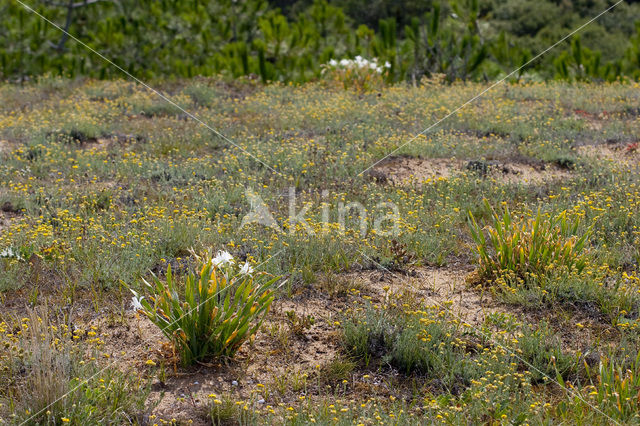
(417,171)
(615,155)
(445,287)
(404,169)
(530,173)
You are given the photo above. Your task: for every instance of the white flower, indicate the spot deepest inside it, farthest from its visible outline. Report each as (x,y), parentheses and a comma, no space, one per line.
(359,63)
(222,258)
(135,304)
(10,253)
(246,269)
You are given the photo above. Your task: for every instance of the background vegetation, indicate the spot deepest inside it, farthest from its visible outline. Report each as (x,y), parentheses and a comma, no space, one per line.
(291,40)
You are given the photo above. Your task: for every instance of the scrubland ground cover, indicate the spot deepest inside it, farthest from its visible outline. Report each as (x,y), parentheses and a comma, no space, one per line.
(503,289)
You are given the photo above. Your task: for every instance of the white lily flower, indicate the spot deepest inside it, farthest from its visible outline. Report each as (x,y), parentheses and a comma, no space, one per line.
(10,253)
(135,304)
(222,258)
(246,269)
(333,62)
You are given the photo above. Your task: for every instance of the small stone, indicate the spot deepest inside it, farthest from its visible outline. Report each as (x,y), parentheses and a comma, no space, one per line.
(234,383)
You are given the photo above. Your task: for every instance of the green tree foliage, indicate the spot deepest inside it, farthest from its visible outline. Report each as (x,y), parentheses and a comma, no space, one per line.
(291,40)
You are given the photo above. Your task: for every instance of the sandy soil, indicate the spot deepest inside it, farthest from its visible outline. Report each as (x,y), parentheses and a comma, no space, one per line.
(408,170)
(614,155)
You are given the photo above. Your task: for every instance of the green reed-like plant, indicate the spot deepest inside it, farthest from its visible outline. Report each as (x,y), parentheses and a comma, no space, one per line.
(532,246)
(618,388)
(613,392)
(215,311)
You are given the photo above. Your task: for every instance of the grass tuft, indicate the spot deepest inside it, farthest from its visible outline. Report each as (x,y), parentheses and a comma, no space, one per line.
(528,248)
